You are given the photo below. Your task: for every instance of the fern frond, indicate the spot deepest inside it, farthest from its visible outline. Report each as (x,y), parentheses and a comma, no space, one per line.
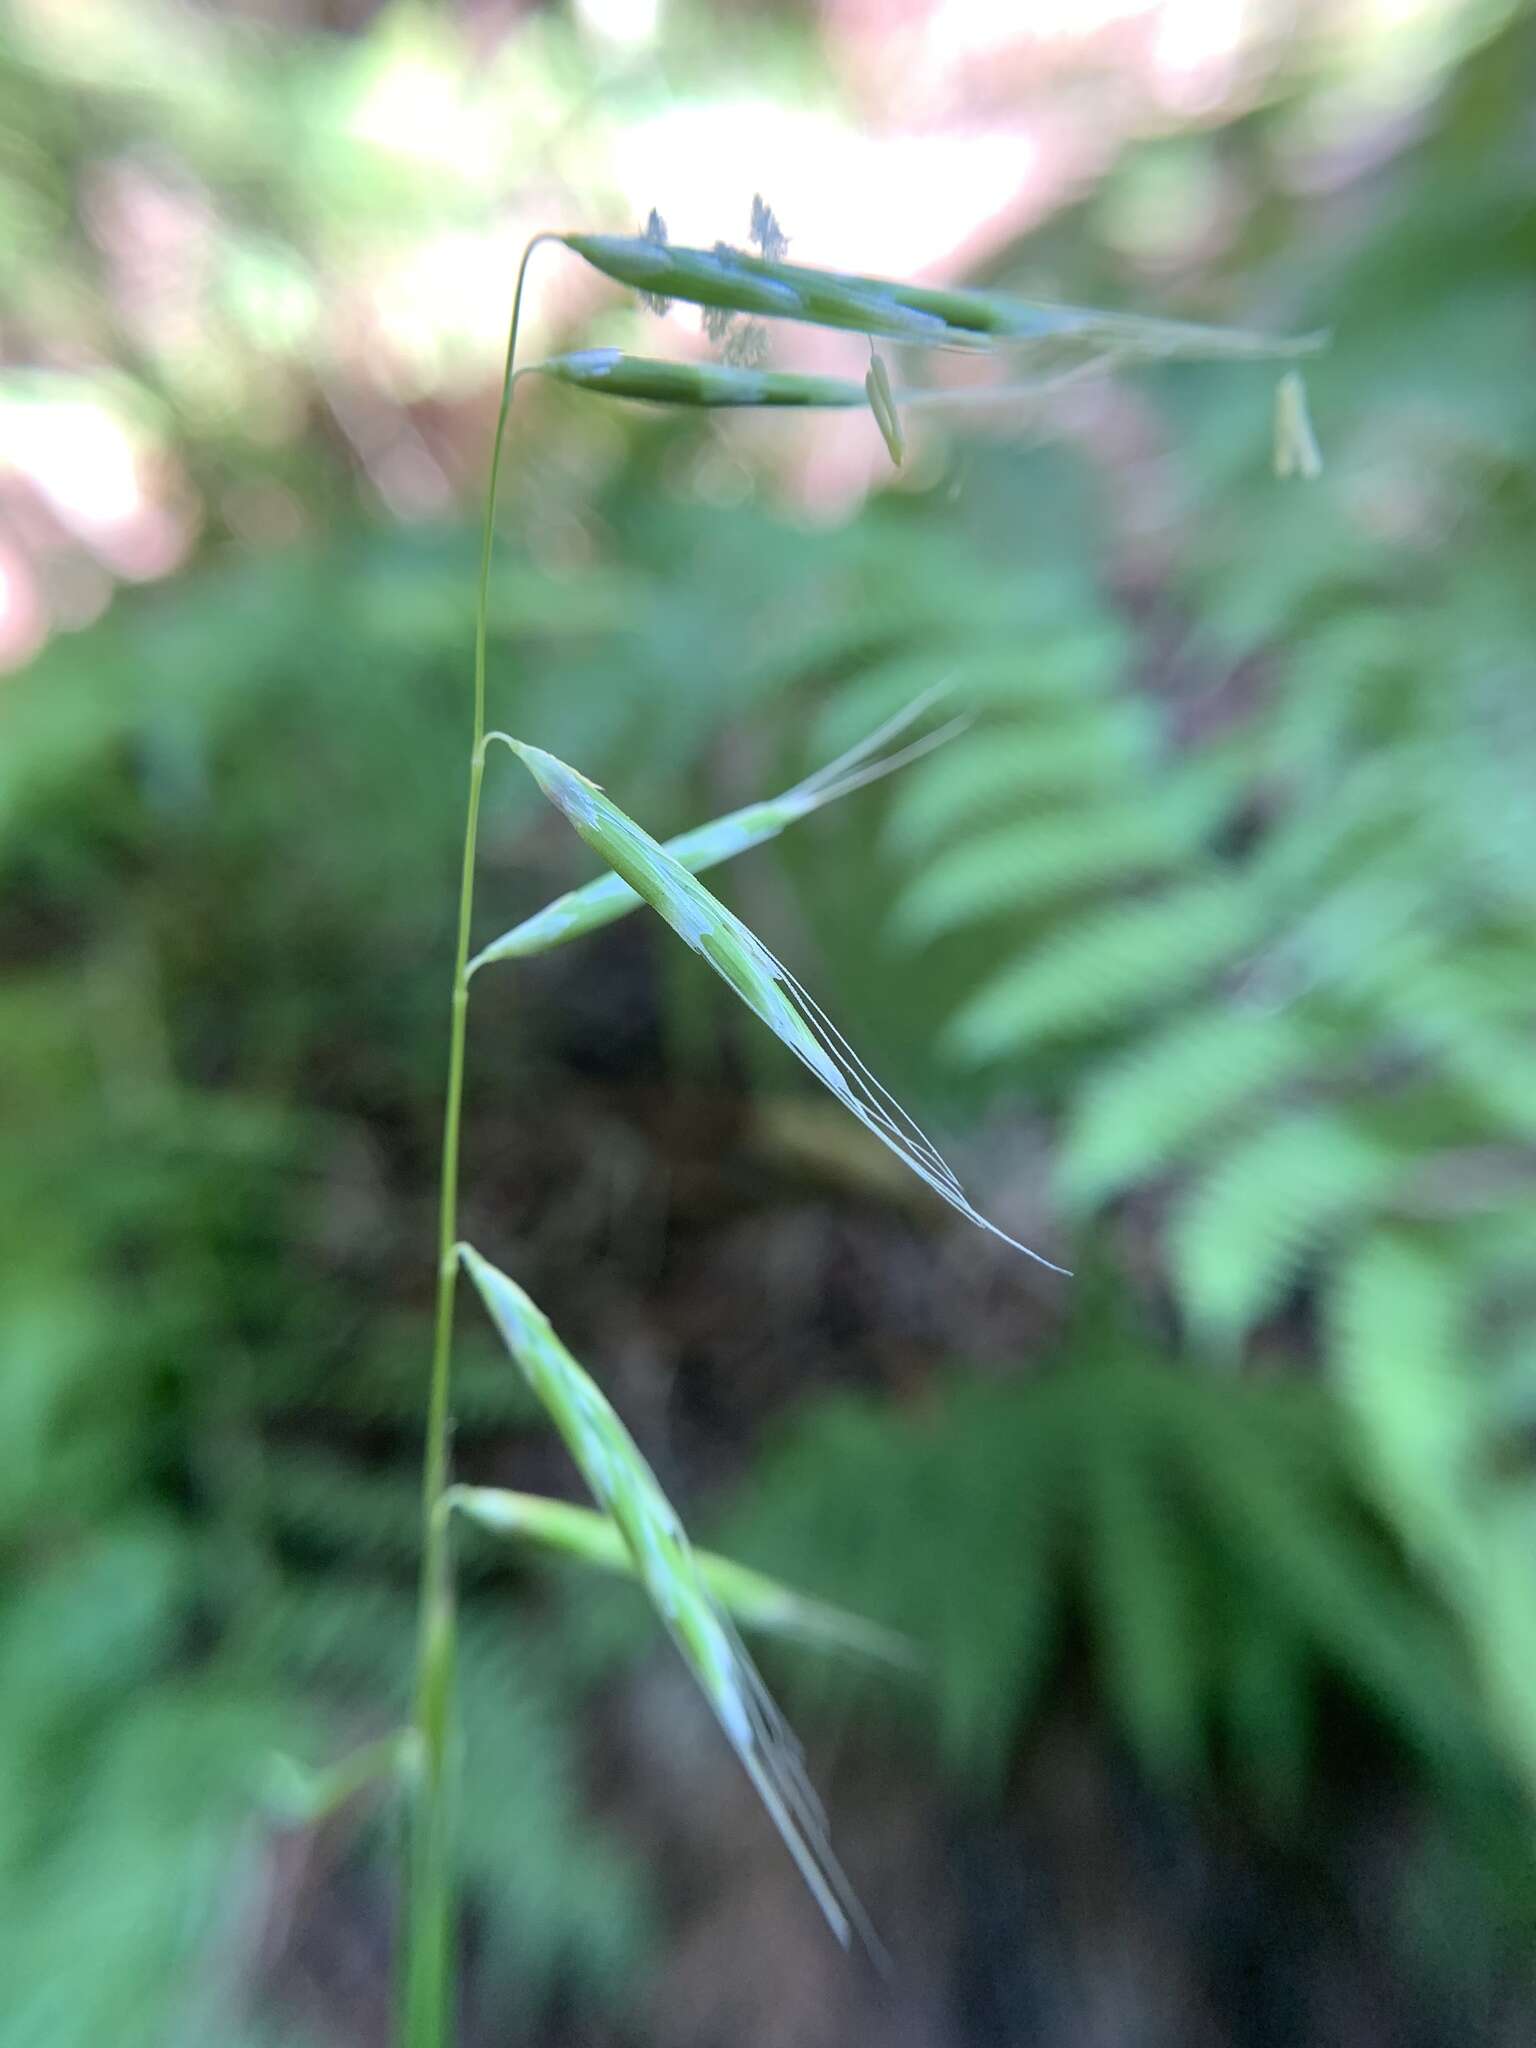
(987,637)
(1269,1488)
(1470,1017)
(1207,1535)
(1405,1360)
(1110,965)
(1241,1236)
(1145,1596)
(1143,1111)
(1399,1327)
(1022,867)
(1083,751)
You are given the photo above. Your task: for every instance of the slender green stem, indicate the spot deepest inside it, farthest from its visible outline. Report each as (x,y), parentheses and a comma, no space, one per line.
(428,1981)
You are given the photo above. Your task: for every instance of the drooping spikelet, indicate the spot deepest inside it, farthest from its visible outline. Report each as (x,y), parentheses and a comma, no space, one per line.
(627,1491)
(741,959)
(600,902)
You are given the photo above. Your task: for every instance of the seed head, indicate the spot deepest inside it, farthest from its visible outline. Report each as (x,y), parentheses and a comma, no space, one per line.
(1296,449)
(882,404)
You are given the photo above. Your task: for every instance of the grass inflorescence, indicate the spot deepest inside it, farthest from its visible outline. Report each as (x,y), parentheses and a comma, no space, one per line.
(633,1526)
(729,280)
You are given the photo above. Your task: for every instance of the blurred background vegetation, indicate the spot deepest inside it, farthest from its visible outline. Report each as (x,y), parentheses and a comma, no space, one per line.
(1211,949)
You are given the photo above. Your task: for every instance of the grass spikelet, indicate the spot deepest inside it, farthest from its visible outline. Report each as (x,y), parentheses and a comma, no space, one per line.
(752,1598)
(656,381)
(742,960)
(731,281)
(727,281)
(882,404)
(600,902)
(627,1491)
(1296,449)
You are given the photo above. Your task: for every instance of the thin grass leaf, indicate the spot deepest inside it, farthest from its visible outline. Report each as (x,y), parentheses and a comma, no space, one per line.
(768,989)
(626,1489)
(1053,336)
(656,381)
(754,1599)
(600,902)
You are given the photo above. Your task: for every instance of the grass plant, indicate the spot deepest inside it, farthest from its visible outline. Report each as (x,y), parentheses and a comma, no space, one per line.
(635,1526)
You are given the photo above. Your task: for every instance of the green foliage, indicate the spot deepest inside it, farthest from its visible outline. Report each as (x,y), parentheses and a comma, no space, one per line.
(185,1596)
(211,1373)
(221,1057)
(1207,1545)
(1261,929)
(120,1825)
(1238,887)
(1430,1398)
